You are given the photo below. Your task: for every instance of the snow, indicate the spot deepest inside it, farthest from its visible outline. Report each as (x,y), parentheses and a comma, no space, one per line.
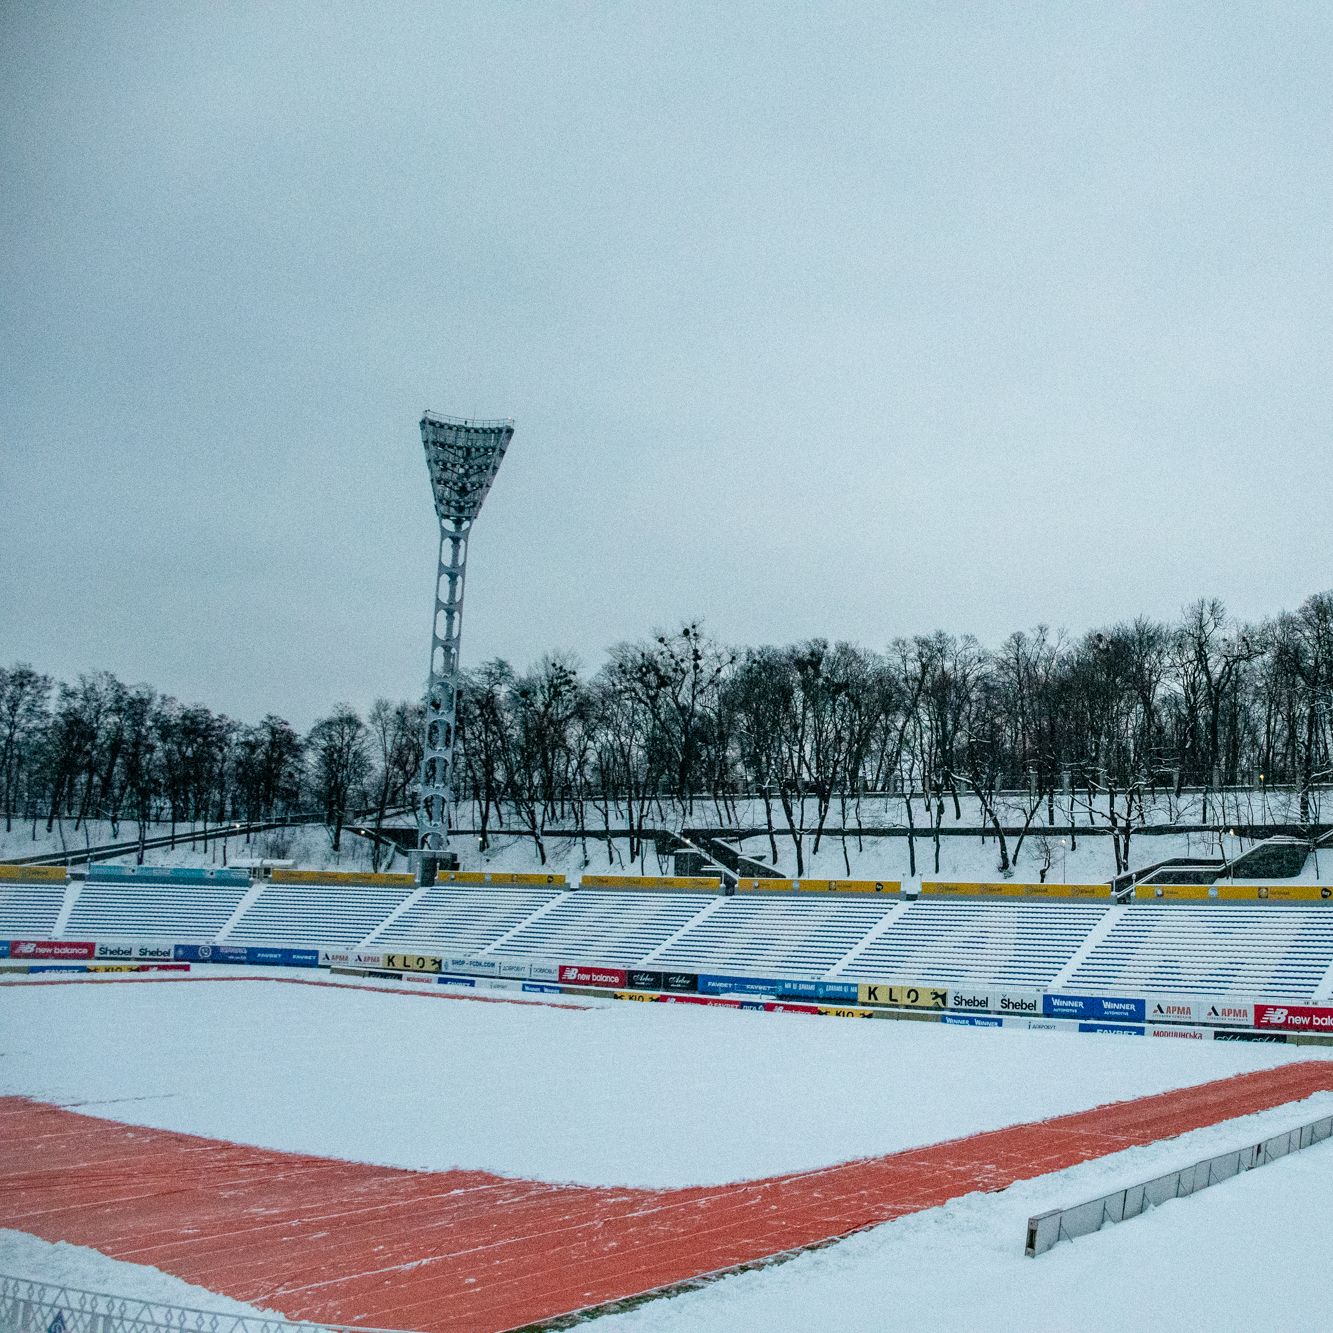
(1240,1256)
(76,1266)
(557,1094)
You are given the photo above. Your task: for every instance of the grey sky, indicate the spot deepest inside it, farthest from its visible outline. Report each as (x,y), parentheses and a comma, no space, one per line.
(853,320)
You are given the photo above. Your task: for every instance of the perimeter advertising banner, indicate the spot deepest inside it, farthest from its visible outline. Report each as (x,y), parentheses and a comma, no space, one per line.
(574,975)
(1294,1017)
(903,997)
(52,949)
(1115,1007)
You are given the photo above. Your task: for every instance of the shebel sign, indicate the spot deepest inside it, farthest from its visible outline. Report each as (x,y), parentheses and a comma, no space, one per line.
(1294,1017)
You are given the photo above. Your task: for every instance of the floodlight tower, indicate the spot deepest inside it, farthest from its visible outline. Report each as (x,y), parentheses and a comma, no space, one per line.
(462,457)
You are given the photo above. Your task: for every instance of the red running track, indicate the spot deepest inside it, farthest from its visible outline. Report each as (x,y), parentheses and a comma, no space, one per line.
(341,1242)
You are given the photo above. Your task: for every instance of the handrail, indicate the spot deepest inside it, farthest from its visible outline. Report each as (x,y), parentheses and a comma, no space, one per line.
(29,1306)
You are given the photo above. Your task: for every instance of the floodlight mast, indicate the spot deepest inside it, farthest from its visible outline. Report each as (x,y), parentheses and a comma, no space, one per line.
(462,457)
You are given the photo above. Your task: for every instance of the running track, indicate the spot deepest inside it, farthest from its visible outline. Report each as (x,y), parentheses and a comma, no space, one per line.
(321,1239)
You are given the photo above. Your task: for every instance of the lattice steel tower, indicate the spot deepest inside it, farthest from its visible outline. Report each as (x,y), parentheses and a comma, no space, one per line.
(463,457)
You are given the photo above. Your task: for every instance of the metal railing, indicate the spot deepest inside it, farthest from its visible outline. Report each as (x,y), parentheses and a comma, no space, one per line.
(27,1306)
(1082,1219)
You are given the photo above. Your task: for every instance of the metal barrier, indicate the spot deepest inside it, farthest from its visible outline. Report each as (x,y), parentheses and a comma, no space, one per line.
(39,1307)
(1049,1229)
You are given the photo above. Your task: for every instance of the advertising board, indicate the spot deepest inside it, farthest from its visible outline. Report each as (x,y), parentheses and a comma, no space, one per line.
(918,996)
(708,883)
(211,953)
(721,984)
(349,958)
(973,1020)
(572,974)
(836,990)
(1121,1007)
(1179,1033)
(540,988)
(1293,1017)
(544,972)
(412,962)
(1112,1029)
(639,979)
(845,1011)
(51,948)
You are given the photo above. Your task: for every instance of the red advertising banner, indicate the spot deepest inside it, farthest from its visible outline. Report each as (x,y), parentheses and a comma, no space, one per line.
(712,1001)
(51,949)
(1294,1017)
(593,976)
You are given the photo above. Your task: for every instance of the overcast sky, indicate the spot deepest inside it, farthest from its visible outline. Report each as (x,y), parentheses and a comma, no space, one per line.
(853,320)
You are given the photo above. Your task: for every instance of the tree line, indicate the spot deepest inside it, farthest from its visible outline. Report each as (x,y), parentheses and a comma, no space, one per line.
(100,749)
(679,729)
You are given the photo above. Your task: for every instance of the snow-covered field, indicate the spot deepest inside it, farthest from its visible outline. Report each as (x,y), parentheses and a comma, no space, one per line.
(413,1080)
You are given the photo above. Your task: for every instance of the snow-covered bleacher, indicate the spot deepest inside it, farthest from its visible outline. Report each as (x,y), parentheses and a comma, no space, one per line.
(779,936)
(154,910)
(1018,944)
(29,911)
(1269,952)
(318,916)
(461,919)
(617,929)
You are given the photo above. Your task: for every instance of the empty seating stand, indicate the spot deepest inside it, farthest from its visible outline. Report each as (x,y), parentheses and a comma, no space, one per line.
(1018,944)
(600,926)
(460,920)
(317,916)
(800,938)
(29,911)
(155,904)
(1270,951)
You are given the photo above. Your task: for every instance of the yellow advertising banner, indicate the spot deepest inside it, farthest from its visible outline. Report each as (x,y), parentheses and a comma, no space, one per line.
(904,997)
(1009,889)
(707,882)
(843,1011)
(281,876)
(508,877)
(635,995)
(34,874)
(1275,893)
(751,885)
(1174,893)
(411,962)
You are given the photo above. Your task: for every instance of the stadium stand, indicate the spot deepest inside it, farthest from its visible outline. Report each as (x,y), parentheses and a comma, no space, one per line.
(774,936)
(1274,952)
(29,911)
(459,919)
(143,909)
(597,926)
(316,915)
(1019,944)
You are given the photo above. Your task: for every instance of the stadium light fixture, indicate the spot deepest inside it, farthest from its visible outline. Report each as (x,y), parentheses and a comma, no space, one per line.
(462,457)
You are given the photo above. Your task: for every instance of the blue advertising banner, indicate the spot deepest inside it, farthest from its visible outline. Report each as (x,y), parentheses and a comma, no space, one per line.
(56,967)
(1113,1029)
(4,948)
(798,990)
(724,985)
(536,988)
(1094,1006)
(836,990)
(210,953)
(463,981)
(972,1021)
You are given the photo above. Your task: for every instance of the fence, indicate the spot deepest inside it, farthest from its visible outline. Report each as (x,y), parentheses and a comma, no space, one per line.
(39,1307)
(1049,1229)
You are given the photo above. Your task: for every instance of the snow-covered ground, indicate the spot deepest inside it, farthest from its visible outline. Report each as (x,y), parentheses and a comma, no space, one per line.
(560,1094)
(1238,1257)
(546,1092)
